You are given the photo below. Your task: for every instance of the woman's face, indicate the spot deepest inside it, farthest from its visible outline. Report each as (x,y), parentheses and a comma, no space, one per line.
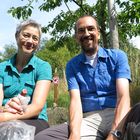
(28,40)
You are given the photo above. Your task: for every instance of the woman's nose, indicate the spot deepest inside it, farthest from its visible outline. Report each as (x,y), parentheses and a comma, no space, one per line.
(30,39)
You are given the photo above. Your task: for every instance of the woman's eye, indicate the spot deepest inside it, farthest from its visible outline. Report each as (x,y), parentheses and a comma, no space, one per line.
(25,35)
(35,38)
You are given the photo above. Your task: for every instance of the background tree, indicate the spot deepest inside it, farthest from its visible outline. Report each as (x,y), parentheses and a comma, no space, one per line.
(57,53)
(63,23)
(61,47)
(9,51)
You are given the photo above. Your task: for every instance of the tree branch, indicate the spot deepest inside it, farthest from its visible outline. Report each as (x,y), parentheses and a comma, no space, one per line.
(68,7)
(81,6)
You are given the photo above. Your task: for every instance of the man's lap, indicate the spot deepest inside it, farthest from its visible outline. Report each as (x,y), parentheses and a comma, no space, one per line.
(95,126)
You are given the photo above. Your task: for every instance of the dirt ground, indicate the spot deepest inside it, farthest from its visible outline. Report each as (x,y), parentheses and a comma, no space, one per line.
(57,115)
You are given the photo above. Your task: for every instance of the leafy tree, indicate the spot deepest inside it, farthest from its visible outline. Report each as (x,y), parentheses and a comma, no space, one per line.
(9,51)
(61,28)
(58,53)
(129,18)
(63,24)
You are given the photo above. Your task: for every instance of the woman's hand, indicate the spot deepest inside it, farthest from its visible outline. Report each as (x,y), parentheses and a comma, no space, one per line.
(13,106)
(17,104)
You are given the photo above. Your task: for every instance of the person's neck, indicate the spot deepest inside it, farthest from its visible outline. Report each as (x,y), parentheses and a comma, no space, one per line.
(21,61)
(92,55)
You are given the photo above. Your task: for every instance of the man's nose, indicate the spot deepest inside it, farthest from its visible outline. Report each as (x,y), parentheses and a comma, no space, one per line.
(87,32)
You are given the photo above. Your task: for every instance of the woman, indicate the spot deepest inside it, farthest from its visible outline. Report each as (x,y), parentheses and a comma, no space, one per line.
(25,72)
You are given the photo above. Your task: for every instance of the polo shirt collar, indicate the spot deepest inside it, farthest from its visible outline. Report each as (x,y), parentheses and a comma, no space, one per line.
(11,62)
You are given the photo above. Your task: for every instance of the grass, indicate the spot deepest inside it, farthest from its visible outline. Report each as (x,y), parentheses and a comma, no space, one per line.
(134,94)
(58,115)
(63,98)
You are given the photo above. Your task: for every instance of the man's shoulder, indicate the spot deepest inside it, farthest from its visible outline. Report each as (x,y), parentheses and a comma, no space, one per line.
(114,52)
(76,59)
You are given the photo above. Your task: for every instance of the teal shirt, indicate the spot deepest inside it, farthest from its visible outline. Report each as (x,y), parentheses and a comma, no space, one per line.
(14,82)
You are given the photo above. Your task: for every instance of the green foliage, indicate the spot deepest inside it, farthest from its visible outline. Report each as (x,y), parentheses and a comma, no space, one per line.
(9,51)
(63,24)
(21,12)
(134,61)
(134,94)
(50,5)
(57,53)
(129,18)
(63,100)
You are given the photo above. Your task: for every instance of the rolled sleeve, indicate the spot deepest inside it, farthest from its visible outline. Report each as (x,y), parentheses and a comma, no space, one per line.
(71,79)
(122,67)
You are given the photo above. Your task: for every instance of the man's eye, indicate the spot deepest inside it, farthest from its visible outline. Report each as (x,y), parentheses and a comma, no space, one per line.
(81,30)
(91,29)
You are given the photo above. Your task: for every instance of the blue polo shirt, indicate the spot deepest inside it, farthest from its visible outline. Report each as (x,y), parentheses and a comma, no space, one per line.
(13,82)
(97,85)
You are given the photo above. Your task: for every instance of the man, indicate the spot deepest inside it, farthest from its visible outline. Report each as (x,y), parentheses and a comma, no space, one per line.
(98,83)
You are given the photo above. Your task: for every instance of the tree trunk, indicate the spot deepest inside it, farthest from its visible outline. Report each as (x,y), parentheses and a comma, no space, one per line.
(113,24)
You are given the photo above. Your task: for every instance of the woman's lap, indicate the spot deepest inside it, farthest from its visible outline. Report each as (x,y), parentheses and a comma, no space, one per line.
(40,125)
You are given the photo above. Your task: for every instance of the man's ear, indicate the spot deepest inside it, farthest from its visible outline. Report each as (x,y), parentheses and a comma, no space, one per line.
(99,35)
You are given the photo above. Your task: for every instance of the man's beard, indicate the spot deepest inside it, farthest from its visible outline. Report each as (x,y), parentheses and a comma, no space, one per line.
(89,51)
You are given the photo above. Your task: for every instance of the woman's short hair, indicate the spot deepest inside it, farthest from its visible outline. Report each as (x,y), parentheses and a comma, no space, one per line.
(25,23)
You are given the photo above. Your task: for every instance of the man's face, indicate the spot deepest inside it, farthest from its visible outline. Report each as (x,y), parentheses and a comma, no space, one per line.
(87,35)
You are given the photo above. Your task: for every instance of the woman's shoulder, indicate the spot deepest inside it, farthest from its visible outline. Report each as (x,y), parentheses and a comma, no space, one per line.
(3,64)
(41,65)
(40,61)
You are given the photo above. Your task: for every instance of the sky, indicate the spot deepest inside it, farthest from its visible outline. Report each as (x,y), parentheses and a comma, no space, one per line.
(8,23)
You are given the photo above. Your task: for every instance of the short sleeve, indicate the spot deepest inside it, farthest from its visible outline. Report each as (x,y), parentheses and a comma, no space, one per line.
(70,76)
(44,71)
(122,66)
(1,74)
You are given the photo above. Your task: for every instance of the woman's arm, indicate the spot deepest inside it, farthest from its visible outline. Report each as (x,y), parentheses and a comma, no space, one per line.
(1,94)
(38,101)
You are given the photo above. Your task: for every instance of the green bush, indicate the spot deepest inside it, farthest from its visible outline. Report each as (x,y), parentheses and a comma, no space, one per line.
(134,94)
(63,99)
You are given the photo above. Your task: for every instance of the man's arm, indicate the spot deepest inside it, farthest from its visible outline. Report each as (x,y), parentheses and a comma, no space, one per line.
(123,103)
(75,114)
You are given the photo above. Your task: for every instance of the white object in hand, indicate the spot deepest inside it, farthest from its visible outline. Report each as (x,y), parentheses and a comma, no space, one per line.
(24,99)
